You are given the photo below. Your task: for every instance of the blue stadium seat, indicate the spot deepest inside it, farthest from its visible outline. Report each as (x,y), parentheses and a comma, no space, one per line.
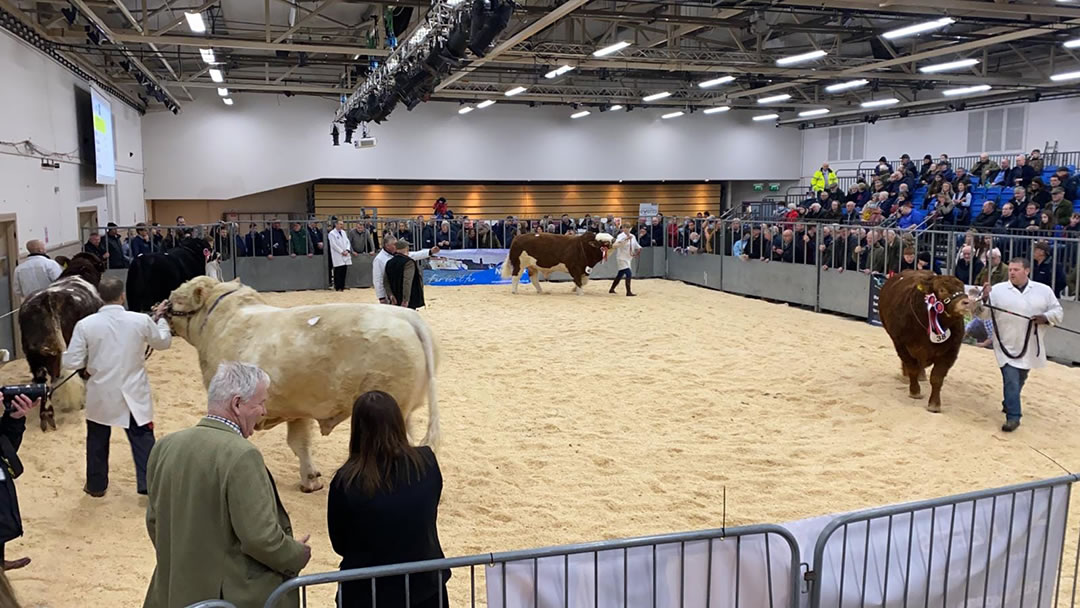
(1072,169)
(1076,206)
(1051,169)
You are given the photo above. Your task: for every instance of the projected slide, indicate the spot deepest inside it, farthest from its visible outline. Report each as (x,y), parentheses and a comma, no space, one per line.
(104,152)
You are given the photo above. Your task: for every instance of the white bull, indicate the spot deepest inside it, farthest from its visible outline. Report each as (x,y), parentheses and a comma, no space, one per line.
(320,358)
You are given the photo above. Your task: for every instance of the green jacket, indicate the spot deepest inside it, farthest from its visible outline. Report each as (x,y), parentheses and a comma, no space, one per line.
(216,521)
(1063,212)
(298,242)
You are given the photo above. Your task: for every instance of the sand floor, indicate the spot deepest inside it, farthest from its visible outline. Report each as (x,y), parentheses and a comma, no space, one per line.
(570,419)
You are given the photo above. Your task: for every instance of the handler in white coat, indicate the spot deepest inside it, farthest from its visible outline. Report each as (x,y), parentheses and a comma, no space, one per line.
(111,345)
(1019,345)
(378,267)
(340,254)
(626,249)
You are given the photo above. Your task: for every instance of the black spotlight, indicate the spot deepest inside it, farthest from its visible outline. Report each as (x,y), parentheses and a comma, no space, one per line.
(126,66)
(350,126)
(92,35)
(335,135)
(489,18)
(70,14)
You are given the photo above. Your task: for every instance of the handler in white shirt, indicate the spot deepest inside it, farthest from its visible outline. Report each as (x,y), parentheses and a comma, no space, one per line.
(36,272)
(340,254)
(378,267)
(626,249)
(1018,344)
(111,345)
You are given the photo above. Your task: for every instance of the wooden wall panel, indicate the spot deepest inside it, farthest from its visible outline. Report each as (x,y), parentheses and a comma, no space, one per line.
(523,200)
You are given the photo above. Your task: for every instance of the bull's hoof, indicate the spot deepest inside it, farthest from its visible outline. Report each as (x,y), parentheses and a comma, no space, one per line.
(933,407)
(922,375)
(311,486)
(915,395)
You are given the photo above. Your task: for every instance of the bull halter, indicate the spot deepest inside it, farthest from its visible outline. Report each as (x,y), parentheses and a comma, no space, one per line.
(170,312)
(935,308)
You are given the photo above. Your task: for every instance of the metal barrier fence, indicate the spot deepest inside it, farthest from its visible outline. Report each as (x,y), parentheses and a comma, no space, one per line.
(949,537)
(645,571)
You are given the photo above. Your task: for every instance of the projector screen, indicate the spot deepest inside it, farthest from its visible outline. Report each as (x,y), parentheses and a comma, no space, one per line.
(104,151)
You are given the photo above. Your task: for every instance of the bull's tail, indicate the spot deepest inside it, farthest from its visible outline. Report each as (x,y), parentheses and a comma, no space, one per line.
(508,266)
(427,342)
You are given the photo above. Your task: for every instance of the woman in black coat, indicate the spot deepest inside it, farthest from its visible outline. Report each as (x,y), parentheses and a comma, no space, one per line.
(12,426)
(383,508)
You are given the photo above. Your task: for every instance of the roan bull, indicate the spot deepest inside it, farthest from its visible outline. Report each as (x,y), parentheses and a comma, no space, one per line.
(923,313)
(46,320)
(320,358)
(575,254)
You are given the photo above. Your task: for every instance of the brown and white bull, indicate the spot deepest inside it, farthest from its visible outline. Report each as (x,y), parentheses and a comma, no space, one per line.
(574,254)
(923,313)
(46,320)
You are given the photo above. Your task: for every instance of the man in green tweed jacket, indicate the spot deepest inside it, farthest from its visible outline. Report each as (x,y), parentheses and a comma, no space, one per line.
(214,515)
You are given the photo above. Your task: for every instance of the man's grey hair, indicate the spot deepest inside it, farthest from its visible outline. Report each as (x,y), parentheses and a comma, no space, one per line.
(235,379)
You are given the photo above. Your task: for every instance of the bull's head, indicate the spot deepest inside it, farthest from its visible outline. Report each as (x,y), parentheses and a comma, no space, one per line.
(948,290)
(186,303)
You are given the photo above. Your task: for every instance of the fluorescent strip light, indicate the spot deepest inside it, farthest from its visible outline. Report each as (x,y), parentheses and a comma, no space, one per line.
(951,65)
(775,98)
(484,104)
(717,109)
(208,56)
(615,48)
(615,108)
(465,110)
(1072,44)
(801,57)
(715,81)
(515,91)
(581,114)
(846,86)
(559,71)
(817,112)
(672,115)
(356,56)
(215,75)
(223,91)
(979,88)
(227,101)
(761,117)
(454,2)
(1065,76)
(877,103)
(195,22)
(656,96)
(918,28)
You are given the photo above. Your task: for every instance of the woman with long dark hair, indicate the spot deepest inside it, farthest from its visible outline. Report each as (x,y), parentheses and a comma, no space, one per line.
(383,508)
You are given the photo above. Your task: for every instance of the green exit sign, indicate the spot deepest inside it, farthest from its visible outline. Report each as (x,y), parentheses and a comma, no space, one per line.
(774,187)
(759,187)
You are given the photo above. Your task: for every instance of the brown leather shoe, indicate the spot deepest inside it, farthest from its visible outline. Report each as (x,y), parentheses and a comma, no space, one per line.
(97,494)
(22,562)
(1010,425)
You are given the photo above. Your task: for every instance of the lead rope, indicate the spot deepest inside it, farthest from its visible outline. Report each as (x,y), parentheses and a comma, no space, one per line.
(1027,334)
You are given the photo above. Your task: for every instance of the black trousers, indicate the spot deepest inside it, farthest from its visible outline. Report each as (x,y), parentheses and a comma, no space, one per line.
(141,439)
(339,277)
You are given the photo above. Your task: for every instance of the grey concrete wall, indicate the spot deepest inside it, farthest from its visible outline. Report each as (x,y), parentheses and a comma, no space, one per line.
(283,273)
(1061,345)
(845,292)
(794,283)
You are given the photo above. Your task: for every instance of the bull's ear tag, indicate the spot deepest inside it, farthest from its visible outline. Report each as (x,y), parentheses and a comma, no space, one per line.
(588,270)
(920,287)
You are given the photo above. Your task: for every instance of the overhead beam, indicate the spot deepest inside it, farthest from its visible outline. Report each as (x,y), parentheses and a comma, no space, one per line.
(956,8)
(308,17)
(563,10)
(910,105)
(719,14)
(251,45)
(175,23)
(165,62)
(267,88)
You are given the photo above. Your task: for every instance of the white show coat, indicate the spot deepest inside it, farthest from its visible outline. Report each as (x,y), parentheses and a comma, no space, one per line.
(1037,299)
(35,274)
(339,248)
(378,268)
(625,247)
(111,345)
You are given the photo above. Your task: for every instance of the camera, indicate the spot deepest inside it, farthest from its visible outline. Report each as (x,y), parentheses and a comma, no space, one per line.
(32,392)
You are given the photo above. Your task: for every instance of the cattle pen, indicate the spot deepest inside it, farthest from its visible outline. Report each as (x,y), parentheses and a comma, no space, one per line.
(568,420)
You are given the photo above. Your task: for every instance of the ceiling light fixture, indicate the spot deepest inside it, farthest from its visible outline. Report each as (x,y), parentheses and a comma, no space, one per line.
(877,103)
(761,117)
(615,108)
(801,57)
(717,109)
(775,98)
(559,71)
(485,103)
(1072,44)
(656,96)
(817,112)
(918,28)
(1065,76)
(672,115)
(228,101)
(223,91)
(195,22)
(515,91)
(581,114)
(716,81)
(216,76)
(979,88)
(846,86)
(208,56)
(950,65)
(465,110)
(615,48)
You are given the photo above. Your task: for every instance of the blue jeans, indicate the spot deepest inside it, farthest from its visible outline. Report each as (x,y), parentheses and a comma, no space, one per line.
(1013,380)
